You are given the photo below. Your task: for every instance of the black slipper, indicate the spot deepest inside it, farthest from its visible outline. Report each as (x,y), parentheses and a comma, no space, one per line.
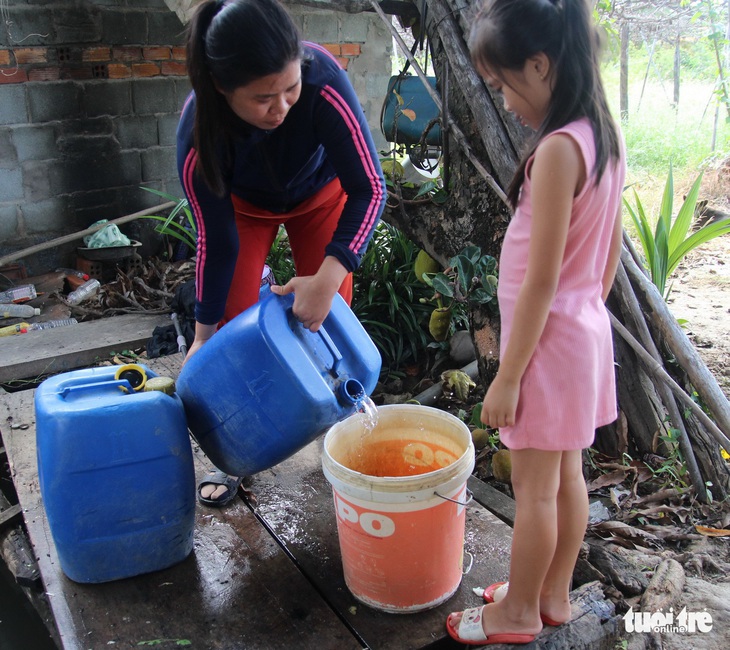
(217,477)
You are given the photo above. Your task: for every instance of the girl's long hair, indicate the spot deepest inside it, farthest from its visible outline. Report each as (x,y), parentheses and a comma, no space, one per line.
(506,33)
(229,44)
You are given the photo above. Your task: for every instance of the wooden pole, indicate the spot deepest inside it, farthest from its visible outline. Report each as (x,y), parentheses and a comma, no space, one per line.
(656,369)
(25,252)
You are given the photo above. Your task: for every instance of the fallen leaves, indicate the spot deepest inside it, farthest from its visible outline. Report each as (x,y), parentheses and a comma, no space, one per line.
(712,532)
(624,535)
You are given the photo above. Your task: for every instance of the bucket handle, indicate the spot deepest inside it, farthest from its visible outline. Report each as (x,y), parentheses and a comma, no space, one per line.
(469,498)
(471,563)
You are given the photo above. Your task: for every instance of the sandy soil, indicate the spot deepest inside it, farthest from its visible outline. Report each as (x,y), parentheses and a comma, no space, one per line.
(701,296)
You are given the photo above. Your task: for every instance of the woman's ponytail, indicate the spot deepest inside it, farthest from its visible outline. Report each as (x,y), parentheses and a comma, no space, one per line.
(210,106)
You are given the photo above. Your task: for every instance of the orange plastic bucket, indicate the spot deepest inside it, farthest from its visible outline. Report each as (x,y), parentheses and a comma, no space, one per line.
(400,494)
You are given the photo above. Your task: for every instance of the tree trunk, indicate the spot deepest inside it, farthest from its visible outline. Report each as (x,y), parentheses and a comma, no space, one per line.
(677,61)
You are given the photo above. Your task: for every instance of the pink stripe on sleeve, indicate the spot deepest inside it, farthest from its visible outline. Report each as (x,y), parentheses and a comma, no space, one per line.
(188,171)
(324,50)
(341,106)
(187,101)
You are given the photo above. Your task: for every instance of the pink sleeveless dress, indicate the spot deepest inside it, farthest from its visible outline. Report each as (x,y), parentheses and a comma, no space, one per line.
(568,389)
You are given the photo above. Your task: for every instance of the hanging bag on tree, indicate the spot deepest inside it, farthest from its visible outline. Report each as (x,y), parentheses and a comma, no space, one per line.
(409,110)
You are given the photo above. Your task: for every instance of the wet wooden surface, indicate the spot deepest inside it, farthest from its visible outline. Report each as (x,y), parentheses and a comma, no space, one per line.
(265,571)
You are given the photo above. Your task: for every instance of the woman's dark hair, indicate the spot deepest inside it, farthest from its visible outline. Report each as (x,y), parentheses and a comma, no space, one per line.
(506,33)
(231,43)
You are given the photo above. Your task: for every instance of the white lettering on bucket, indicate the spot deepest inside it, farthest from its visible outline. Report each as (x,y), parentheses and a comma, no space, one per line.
(373,523)
(345,512)
(376,524)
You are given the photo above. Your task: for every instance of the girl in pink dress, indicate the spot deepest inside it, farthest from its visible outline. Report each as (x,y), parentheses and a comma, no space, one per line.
(555,383)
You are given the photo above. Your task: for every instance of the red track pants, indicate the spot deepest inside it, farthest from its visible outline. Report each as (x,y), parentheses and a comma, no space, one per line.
(309,226)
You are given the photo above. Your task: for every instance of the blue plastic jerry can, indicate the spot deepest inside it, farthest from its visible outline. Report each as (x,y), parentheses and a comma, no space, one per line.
(264,386)
(116,474)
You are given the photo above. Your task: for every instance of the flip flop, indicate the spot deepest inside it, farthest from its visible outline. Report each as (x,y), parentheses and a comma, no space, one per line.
(470,630)
(217,477)
(497,591)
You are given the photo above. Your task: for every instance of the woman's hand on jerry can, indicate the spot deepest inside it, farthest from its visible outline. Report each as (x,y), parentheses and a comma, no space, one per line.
(312,303)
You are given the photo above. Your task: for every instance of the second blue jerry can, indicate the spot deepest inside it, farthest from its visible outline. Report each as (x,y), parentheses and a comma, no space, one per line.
(116,474)
(263,386)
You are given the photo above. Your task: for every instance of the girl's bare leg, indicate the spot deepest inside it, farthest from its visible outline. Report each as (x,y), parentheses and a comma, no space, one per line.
(535,480)
(572,518)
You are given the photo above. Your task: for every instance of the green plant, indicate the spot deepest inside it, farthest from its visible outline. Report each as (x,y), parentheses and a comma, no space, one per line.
(667,246)
(179,224)
(280,258)
(386,298)
(469,280)
(673,465)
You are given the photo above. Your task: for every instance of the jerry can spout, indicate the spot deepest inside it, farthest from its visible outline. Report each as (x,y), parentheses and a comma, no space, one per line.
(351,391)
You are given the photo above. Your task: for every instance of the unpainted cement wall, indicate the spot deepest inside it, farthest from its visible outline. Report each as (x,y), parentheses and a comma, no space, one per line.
(90,94)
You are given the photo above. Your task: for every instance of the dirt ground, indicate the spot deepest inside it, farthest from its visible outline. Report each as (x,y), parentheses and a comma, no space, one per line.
(701,295)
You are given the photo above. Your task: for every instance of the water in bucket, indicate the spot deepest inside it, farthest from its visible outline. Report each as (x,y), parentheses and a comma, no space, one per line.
(400,496)
(402,456)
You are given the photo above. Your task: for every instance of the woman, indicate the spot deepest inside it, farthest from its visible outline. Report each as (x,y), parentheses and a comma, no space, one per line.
(271,134)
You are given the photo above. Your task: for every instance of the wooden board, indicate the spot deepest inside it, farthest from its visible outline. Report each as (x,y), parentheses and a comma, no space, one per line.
(238,589)
(61,349)
(265,572)
(295,501)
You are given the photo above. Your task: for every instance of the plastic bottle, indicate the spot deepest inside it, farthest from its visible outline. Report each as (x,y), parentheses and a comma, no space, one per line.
(11,310)
(267,276)
(86,290)
(50,324)
(20,328)
(74,272)
(20,293)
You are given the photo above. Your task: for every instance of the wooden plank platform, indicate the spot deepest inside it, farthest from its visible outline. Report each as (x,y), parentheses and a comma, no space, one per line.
(62,349)
(265,572)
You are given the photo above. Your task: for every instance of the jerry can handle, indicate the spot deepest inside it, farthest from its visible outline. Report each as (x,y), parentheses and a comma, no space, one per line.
(122,383)
(336,356)
(322,332)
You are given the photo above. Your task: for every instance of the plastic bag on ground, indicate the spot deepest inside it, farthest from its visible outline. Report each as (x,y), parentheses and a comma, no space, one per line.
(109,235)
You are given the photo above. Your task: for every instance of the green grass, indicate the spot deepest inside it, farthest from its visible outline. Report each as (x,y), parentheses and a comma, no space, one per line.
(657,134)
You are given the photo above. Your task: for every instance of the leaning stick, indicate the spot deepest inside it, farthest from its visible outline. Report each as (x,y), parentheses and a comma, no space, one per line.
(25,252)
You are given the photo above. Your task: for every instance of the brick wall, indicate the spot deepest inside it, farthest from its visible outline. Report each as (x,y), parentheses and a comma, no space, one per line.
(90,94)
